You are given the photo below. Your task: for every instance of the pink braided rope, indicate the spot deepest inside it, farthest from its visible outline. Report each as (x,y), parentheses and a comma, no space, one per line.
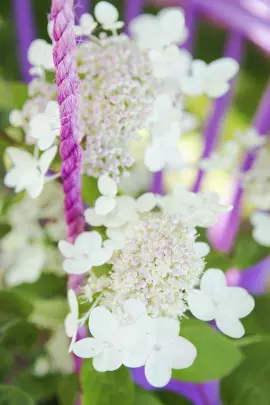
(67,81)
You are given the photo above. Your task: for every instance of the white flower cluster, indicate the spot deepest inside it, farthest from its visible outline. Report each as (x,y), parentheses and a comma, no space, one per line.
(24,250)
(231,153)
(154,265)
(128,84)
(142,260)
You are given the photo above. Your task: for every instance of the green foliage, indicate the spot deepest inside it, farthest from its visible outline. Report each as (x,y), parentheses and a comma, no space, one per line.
(38,388)
(217,355)
(68,390)
(49,313)
(108,388)
(142,397)
(249,384)
(13,307)
(246,251)
(13,396)
(171,398)
(47,286)
(258,321)
(12,94)
(5,363)
(89,190)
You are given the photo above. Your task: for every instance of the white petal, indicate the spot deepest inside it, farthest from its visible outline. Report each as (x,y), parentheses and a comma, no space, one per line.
(109,359)
(201,249)
(73,303)
(19,156)
(223,69)
(34,189)
(71,325)
(237,301)
(105,13)
(166,329)
(154,158)
(104,205)
(216,89)
(93,218)
(134,308)
(126,206)
(46,159)
(101,256)
(158,370)
(52,109)
(37,51)
(146,202)
(230,325)
(183,353)
(66,248)
(107,186)
(88,242)
(87,348)
(78,266)
(261,235)
(172,23)
(213,282)
(16,118)
(201,305)
(102,324)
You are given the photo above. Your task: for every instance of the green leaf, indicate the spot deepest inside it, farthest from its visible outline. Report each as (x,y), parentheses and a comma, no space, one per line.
(171,398)
(13,307)
(249,383)
(20,337)
(217,355)
(39,388)
(5,363)
(258,321)
(110,388)
(12,94)
(142,397)
(89,190)
(247,252)
(68,390)
(13,396)
(49,313)
(48,285)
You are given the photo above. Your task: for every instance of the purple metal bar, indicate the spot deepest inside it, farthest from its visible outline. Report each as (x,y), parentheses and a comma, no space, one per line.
(191,21)
(223,234)
(81,7)
(157,186)
(132,9)
(26,33)
(234,49)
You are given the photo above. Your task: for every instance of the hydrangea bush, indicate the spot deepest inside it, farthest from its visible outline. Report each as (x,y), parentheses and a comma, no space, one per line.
(145,288)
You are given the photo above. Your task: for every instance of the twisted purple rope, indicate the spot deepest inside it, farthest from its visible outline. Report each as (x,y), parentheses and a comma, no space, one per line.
(67,82)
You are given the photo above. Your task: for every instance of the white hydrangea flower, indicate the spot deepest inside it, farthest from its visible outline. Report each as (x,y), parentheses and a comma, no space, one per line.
(87,25)
(157,262)
(170,62)
(105,345)
(71,322)
(169,351)
(86,252)
(28,173)
(26,265)
(40,55)
(107,202)
(126,210)
(261,230)
(227,159)
(212,80)
(139,178)
(156,32)
(215,300)
(107,15)
(163,151)
(16,118)
(256,181)
(45,127)
(199,209)
(250,139)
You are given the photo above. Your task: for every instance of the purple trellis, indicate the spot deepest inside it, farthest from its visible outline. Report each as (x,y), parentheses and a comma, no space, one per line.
(26,33)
